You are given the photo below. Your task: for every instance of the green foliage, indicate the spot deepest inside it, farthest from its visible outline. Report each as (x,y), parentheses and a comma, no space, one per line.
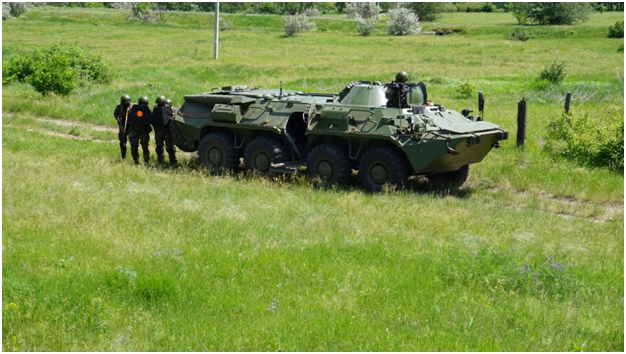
(466,89)
(402,22)
(58,68)
(13,9)
(427,11)
(617,30)
(550,13)
(592,140)
(555,72)
(292,25)
(145,11)
(519,35)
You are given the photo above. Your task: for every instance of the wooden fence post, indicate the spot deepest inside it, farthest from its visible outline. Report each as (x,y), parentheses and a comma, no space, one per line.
(568,100)
(521,123)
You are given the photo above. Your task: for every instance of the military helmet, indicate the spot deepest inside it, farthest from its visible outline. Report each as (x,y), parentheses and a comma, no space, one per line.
(144,100)
(160,100)
(168,102)
(124,98)
(402,76)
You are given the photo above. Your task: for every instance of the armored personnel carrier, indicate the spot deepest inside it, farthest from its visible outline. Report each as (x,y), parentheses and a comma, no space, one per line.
(280,131)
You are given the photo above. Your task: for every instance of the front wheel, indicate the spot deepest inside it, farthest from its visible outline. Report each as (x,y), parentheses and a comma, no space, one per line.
(261,153)
(330,163)
(218,153)
(382,165)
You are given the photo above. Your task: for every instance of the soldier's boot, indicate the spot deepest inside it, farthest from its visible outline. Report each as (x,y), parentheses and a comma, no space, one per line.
(173,160)
(135,154)
(160,159)
(123,150)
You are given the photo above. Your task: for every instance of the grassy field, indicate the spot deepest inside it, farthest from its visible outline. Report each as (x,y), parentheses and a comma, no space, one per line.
(102,255)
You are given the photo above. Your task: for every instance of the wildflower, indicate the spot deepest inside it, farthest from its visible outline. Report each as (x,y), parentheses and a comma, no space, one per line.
(558,266)
(12,305)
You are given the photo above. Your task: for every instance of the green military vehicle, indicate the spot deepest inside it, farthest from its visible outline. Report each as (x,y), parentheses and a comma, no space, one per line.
(361,128)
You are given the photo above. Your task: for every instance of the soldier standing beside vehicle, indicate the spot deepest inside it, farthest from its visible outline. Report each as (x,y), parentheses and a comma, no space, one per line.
(140,132)
(161,124)
(121,115)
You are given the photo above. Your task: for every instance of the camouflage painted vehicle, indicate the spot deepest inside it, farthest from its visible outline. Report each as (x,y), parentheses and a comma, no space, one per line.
(334,134)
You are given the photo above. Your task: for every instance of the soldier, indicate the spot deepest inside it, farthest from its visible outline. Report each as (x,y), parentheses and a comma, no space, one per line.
(396,91)
(121,115)
(162,134)
(140,133)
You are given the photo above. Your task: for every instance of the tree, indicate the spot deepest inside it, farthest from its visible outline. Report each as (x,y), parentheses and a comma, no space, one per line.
(551,13)
(427,11)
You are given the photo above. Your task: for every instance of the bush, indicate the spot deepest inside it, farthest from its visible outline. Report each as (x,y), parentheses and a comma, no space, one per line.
(145,11)
(13,9)
(311,12)
(402,22)
(466,90)
(58,68)
(296,24)
(365,26)
(617,30)
(555,73)
(225,24)
(594,141)
(519,35)
(357,10)
(427,11)
(550,13)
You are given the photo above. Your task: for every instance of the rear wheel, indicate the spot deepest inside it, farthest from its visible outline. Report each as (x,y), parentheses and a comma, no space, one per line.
(218,153)
(382,165)
(261,153)
(453,179)
(330,163)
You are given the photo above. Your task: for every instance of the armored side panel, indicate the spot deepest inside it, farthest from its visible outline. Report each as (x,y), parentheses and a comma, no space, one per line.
(161,115)
(140,114)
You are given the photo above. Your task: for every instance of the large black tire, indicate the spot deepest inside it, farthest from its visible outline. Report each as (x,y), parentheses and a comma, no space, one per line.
(218,153)
(261,153)
(382,165)
(452,179)
(330,163)
(179,139)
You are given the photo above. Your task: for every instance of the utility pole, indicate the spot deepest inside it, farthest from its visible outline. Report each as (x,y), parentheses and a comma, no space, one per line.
(217,30)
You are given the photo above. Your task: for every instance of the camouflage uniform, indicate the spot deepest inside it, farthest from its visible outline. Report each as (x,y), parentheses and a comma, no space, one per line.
(162,136)
(140,134)
(121,115)
(397,90)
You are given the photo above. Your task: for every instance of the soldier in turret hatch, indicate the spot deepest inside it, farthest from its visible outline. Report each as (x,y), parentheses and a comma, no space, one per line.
(397,90)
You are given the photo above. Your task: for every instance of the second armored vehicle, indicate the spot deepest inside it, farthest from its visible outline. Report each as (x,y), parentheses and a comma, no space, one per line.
(333,134)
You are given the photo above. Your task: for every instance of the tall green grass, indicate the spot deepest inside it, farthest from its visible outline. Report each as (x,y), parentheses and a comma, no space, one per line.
(102,255)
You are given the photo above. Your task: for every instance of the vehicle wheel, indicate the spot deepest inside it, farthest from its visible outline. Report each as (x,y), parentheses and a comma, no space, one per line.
(261,153)
(450,179)
(217,152)
(330,163)
(178,138)
(382,165)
